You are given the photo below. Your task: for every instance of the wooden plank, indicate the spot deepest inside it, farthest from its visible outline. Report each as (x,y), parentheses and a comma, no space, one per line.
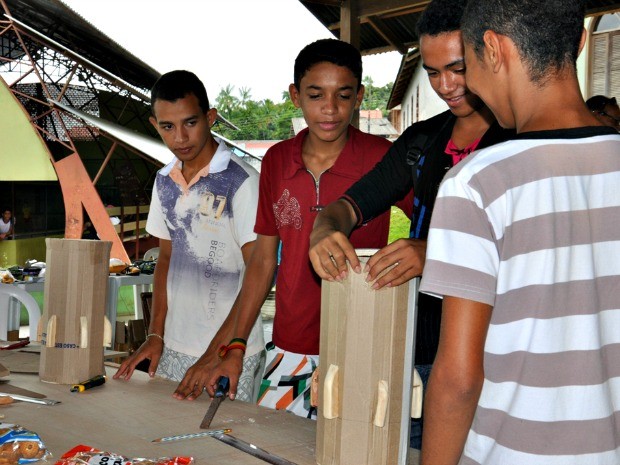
(129,210)
(20,362)
(130,226)
(390,7)
(75,296)
(349,23)
(364,333)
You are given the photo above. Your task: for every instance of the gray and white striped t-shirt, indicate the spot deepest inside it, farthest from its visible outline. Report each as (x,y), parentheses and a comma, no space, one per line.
(532,227)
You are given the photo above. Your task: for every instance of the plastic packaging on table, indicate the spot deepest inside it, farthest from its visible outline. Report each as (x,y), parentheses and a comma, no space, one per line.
(20,446)
(6,277)
(86,455)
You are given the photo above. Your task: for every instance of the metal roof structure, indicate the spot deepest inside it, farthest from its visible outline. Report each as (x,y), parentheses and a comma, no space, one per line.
(88,98)
(55,26)
(60,24)
(148,146)
(390,25)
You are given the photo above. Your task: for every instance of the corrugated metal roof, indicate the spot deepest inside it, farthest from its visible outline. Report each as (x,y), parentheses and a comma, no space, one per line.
(152,148)
(403,78)
(52,24)
(148,146)
(60,23)
(391,25)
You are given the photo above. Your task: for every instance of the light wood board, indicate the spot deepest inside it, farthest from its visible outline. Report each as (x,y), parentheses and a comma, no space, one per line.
(123,417)
(20,362)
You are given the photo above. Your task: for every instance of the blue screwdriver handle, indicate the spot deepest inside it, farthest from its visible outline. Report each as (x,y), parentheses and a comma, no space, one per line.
(223,384)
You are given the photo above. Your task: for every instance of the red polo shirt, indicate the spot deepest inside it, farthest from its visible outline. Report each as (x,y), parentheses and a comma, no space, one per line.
(288,198)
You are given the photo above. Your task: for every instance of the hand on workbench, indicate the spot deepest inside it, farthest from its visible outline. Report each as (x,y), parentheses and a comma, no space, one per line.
(231,367)
(151,349)
(408,255)
(194,382)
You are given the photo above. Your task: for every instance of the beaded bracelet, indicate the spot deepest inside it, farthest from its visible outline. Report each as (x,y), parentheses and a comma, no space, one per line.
(156,335)
(234,344)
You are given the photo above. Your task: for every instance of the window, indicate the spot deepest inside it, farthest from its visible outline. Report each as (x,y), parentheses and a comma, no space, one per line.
(605,57)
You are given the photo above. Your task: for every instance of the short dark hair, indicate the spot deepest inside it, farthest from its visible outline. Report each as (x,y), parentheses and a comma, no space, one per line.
(547,34)
(441,16)
(178,84)
(599,102)
(333,51)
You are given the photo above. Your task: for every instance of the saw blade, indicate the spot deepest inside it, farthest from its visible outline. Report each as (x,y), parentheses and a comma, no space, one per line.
(220,394)
(251,449)
(211,411)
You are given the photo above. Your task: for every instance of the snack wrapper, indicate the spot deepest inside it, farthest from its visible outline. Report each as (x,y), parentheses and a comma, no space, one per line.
(86,455)
(20,446)
(6,277)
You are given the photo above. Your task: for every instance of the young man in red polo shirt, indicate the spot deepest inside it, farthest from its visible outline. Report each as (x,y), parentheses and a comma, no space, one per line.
(298,177)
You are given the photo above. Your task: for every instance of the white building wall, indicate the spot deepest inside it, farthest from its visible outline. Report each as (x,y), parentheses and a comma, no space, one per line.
(583,60)
(429,105)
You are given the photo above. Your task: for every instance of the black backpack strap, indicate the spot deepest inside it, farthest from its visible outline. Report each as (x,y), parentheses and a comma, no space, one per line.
(418,145)
(414,153)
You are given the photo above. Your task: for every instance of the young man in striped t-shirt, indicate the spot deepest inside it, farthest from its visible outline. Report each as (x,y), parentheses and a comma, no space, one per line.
(524,247)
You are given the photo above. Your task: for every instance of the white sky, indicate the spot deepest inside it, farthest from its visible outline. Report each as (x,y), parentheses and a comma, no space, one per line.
(245,43)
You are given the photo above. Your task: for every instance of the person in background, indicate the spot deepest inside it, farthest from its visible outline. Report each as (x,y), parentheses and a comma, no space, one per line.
(605,109)
(7,223)
(298,177)
(203,210)
(523,247)
(446,139)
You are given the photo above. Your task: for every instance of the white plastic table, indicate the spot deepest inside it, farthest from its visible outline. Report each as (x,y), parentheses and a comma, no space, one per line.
(141,283)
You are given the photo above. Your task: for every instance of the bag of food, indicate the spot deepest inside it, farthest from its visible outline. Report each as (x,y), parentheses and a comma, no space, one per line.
(117,265)
(6,277)
(86,455)
(20,446)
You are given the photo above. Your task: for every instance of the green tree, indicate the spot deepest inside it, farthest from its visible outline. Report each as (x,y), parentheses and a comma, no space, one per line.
(260,120)
(268,120)
(245,94)
(226,102)
(376,98)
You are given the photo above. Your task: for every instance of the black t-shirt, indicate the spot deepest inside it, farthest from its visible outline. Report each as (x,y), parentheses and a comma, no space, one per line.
(392,178)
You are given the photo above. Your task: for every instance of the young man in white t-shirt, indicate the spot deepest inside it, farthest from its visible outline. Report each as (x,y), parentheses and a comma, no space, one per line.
(203,209)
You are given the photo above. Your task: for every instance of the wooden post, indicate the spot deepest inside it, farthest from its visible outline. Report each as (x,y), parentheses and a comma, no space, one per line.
(350,32)
(72,324)
(365,372)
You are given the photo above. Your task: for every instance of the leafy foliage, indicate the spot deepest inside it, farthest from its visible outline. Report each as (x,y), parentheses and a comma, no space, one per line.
(399,225)
(267,120)
(376,98)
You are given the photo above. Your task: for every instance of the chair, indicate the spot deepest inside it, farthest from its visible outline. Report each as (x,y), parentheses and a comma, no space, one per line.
(34,313)
(151,254)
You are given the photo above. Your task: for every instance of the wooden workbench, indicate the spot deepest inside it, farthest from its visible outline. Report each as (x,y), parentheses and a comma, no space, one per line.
(123,417)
